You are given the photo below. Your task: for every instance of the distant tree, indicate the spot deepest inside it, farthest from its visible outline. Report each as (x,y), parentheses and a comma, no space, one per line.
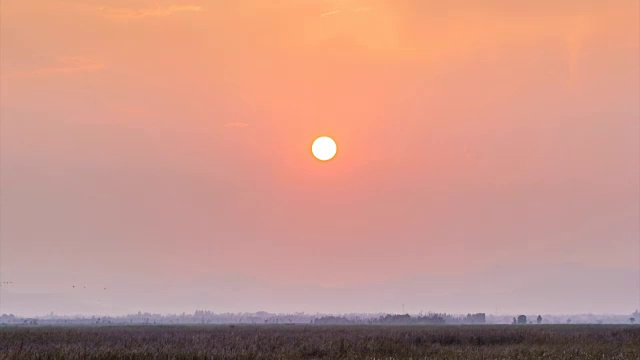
(514,321)
(522,320)
(478,318)
(539,320)
(632,320)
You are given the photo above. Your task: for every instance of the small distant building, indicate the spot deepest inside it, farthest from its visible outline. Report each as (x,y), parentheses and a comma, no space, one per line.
(522,320)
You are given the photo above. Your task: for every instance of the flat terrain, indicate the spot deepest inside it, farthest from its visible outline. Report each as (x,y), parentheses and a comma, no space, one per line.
(322,342)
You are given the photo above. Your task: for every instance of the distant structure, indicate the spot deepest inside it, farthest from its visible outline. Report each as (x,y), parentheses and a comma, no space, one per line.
(522,320)
(632,320)
(514,322)
(539,320)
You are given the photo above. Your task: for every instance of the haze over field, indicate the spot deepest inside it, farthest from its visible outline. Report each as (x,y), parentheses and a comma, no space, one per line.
(156,156)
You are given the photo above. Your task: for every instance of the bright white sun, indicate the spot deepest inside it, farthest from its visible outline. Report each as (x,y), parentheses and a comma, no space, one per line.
(324,148)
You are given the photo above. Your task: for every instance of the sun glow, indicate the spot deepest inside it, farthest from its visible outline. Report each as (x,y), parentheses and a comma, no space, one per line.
(324,148)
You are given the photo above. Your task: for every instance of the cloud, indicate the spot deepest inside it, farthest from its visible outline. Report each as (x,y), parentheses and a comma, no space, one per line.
(137,13)
(236,124)
(330,13)
(357,10)
(575,37)
(66,65)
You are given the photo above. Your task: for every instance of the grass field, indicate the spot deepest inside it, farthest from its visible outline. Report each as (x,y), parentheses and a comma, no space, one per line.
(322,342)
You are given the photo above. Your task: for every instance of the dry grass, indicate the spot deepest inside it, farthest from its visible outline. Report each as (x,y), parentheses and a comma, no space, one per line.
(322,342)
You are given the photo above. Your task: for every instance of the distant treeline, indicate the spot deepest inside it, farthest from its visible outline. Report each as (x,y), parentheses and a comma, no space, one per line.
(428,319)
(262,317)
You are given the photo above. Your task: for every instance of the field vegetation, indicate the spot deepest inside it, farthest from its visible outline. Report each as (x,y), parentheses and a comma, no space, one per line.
(321,342)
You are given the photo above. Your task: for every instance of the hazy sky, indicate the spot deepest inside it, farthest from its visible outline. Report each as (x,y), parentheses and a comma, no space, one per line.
(488,155)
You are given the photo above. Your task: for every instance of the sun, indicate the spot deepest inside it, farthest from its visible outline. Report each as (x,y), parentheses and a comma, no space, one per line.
(324,148)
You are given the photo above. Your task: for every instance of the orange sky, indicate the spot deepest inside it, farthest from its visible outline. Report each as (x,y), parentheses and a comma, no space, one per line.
(147,143)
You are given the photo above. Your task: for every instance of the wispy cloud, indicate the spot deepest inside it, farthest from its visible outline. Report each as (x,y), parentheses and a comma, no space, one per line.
(575,37)
(136,13)
(236,124)
(330,13)
(65,65)
(335,12)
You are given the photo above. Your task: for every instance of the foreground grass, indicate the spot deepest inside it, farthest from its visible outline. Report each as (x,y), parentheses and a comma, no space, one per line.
(322,342)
